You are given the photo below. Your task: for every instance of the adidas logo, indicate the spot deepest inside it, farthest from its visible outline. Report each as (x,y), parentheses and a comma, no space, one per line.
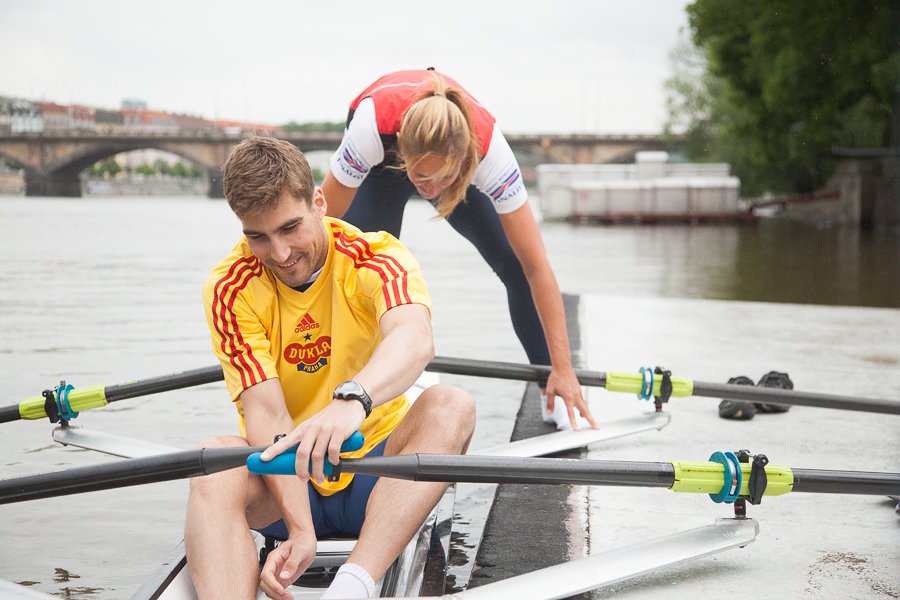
(306,323)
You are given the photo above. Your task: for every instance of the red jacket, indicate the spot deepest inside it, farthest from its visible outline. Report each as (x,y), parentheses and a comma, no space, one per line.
(395,92)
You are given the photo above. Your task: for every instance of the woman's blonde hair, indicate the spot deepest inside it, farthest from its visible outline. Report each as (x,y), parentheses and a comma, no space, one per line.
(438,123)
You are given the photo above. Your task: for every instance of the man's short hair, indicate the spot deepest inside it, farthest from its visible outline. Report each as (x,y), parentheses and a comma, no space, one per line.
(259,170)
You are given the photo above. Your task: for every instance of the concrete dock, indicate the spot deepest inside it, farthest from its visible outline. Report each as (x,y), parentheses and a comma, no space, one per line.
(809,545)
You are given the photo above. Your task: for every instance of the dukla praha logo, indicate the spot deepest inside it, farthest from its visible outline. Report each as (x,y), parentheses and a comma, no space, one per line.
(309,357)
(306,323)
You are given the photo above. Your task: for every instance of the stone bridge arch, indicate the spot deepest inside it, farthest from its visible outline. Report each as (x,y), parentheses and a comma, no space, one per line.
(53,161)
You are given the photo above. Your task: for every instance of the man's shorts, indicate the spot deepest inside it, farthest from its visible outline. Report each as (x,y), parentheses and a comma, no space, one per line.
(340,514)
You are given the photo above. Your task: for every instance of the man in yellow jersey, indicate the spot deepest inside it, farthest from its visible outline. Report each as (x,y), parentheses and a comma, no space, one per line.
(320,329)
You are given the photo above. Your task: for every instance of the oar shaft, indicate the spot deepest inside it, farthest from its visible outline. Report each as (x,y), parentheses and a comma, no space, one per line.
(794,397)
(846,482)
(136,471)
(505,370)
(495,469)
(9,413)
(163,383)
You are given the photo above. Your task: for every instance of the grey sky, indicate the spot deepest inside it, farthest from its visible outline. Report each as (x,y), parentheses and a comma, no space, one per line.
(550,66)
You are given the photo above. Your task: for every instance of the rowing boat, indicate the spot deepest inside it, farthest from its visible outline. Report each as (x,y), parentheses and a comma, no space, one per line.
(419,570)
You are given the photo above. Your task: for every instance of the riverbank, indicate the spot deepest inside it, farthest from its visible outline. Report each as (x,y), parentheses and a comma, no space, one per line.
(145,186)
(12,183)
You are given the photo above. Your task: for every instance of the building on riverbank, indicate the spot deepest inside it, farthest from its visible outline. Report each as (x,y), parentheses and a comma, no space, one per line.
(650,190)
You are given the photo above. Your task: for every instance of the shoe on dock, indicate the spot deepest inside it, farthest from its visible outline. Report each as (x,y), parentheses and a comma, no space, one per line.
(774,379)
(737,409)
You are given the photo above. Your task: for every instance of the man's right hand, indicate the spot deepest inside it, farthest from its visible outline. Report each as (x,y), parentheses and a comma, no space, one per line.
(285,564)
(320,435)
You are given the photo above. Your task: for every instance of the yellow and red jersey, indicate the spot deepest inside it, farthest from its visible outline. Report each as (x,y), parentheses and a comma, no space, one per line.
(315,339)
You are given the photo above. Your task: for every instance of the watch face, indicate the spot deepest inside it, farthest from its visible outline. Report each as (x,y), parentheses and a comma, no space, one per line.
(350,388)
(353,390)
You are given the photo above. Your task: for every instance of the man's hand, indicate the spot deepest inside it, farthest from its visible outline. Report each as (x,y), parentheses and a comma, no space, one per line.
(321,434)
(564,383)
(285,564)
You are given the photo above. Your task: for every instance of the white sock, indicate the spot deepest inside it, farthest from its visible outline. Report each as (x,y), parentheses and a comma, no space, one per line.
(560,416)
(351,582)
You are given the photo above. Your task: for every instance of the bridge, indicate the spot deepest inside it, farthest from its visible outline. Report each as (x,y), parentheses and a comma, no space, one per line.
(53,161)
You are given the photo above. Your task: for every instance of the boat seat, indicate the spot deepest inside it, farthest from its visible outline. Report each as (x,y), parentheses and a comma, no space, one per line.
(331,553)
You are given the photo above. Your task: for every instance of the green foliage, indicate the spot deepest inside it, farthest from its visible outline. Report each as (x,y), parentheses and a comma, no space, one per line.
(106,166)
(315,126)
(161,167)
(773,87)
(179,170)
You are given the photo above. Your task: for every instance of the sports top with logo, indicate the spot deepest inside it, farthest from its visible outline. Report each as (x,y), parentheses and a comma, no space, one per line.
(312,340)
(370,138)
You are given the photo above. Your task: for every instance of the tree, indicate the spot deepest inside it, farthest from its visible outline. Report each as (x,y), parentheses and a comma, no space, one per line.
(110,166)
(162,167)
(786,82)
(179,170)
(689,99)
(106,166)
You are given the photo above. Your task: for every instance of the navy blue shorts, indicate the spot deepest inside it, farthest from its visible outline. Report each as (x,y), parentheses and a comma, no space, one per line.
(340,514)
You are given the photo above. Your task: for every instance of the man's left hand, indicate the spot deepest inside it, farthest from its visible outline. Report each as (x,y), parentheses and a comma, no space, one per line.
(288,561)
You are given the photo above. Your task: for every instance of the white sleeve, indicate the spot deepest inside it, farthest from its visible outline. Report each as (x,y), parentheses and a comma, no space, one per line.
(361,149)
(499,176)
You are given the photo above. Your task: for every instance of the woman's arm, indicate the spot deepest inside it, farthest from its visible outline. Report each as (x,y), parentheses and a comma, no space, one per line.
(361,149)
(525,238)
(337,195)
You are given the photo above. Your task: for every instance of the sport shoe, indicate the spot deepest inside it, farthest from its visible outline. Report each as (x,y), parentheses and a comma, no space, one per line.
(560,416)
(737,409)
(774,379)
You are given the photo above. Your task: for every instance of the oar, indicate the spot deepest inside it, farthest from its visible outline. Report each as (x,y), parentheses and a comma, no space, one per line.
(680,476)
(149,469)
(124,473)
(95,396)
(681,386)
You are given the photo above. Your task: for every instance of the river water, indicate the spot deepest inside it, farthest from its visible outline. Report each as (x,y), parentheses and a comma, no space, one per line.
(106,290)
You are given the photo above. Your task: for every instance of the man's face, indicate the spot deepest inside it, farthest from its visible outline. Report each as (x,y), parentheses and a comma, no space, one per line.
(290,238)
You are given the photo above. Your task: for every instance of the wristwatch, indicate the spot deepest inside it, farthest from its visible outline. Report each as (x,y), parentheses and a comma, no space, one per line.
(352,390)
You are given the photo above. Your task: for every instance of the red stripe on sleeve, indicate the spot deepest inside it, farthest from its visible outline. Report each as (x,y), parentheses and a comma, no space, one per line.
(225,292)
(364,253)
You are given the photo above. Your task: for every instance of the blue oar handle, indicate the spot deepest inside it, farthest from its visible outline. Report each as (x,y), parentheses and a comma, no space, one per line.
(283,464)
